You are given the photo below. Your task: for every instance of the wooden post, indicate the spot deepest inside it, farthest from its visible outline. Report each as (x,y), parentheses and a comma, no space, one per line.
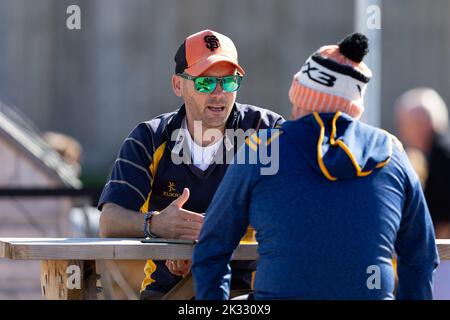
(69,279)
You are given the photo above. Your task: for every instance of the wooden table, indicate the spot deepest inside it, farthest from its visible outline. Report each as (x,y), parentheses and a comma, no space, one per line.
(63,260)
(68,268)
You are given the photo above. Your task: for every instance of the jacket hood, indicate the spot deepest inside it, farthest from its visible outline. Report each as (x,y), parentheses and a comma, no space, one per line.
(338,146)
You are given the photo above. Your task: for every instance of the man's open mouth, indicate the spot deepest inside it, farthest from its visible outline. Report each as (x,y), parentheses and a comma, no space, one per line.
(216,109)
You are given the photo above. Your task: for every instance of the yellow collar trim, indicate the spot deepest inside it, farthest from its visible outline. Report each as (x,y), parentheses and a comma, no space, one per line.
(344,147)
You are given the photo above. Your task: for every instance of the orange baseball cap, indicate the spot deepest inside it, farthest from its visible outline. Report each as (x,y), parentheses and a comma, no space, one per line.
(202,50)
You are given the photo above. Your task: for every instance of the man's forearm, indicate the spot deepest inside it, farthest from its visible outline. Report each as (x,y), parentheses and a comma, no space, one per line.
(173,222)
(118,222)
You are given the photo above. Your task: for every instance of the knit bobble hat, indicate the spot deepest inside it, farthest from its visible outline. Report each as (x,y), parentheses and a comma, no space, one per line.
(334,78)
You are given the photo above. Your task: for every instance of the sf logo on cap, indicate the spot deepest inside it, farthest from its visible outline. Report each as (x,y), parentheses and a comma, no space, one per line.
(212,43)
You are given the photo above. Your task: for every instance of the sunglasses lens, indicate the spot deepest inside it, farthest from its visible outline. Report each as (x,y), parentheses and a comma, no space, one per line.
(205,84)
(208,84)
(231,83)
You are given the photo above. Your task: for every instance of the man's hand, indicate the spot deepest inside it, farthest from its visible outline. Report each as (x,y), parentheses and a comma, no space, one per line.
(174,222)
(179,267)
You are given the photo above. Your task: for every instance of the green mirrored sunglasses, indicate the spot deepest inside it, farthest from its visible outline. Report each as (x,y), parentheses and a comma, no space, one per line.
(208,84)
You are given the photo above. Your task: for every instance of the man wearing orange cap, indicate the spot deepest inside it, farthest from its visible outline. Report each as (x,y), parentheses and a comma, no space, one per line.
(148,176)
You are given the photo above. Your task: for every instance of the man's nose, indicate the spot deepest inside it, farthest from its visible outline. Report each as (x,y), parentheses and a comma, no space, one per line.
(218,90)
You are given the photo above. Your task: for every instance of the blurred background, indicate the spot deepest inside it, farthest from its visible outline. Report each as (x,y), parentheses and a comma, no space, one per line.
(88,88)
(97,83)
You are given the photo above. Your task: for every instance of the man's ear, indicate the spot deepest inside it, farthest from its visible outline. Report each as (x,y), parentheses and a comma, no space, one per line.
(176,85)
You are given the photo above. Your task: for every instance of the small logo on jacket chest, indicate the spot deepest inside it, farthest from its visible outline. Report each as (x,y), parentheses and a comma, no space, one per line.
(171,191)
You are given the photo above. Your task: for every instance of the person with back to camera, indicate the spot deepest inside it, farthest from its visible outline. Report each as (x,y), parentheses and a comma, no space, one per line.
(344,199)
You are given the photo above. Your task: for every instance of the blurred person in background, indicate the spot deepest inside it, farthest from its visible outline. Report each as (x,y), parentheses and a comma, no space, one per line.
(422,121)
(67,147)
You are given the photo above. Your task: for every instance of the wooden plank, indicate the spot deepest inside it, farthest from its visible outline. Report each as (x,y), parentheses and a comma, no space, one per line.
(183,290)
(3,253)
(122,249)
(68,280)
(100,249)
(443,248)
(5,250)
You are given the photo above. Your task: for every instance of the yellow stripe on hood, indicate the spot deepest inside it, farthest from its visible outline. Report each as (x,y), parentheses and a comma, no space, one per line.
(339,143)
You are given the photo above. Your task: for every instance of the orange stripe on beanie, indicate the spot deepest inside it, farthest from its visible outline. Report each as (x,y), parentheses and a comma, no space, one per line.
(333,79)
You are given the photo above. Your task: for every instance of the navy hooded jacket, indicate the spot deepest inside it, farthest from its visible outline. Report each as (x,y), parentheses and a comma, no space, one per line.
(345,199)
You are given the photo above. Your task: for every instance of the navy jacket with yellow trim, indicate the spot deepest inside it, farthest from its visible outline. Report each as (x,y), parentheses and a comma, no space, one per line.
(344,200)
(144,176)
